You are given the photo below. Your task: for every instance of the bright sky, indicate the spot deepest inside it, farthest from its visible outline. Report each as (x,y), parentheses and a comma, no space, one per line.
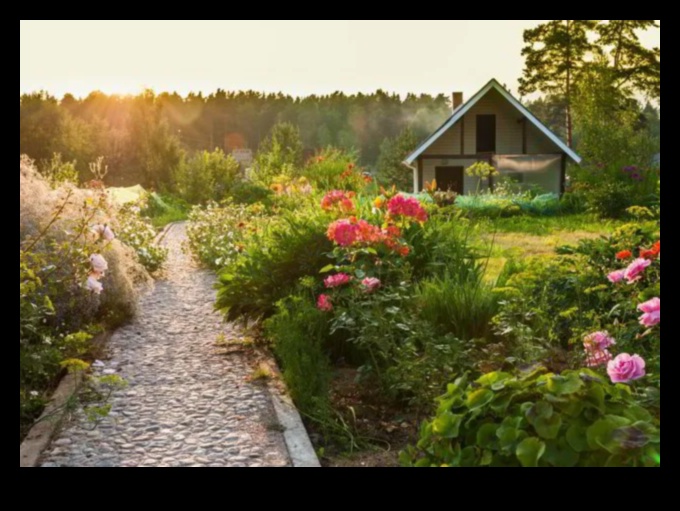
(295,57)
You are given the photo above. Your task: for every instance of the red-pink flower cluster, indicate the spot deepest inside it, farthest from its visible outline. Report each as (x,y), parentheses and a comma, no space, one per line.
(595,345)
(409,207)
(324,303)
(350,231)
(340,199)
(337,280)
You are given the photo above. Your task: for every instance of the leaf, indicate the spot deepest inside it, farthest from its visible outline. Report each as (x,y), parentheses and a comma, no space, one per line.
(548,428)
(327,268)
(563,385)
(447,425)
(479,398)
(576,437)
(601,433)
(486,436)
(558,453)
(529,451)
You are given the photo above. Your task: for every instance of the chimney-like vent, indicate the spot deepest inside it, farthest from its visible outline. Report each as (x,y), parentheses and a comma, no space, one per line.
(457,100)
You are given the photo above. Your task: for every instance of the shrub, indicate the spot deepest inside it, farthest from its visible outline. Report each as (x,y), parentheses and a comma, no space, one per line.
(59,306)
(139,234)
(279,154)
(537,418)
(335,169)
(299,332)
(275,258)
(206,176)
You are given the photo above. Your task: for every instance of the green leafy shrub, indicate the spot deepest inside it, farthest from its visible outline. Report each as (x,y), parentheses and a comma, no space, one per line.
(275,258)
(300,331)
(206,176)
(162,210)
(537,418)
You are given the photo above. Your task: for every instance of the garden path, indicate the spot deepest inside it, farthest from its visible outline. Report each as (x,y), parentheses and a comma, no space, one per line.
(187,403)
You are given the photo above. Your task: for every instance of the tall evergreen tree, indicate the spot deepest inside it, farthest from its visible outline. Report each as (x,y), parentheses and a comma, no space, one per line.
(633,64)
(555,54)
(393,151)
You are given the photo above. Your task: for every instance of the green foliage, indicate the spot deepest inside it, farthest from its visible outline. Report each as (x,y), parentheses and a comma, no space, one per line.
(506,205)
(393,151)
(275,258)
(279,154)
(162,210)
(300,333)
(59,172)
(206,176)
(537,418)
(334,169)
(620,171)
(555,54)
(462,308)
(634,66)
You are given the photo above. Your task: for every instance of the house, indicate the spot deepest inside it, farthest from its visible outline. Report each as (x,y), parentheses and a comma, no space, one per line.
(492,126)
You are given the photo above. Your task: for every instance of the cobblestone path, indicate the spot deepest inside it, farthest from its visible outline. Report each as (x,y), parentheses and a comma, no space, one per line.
(187,404)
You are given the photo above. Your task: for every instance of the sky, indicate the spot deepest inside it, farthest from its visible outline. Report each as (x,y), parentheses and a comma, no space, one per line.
(295,57)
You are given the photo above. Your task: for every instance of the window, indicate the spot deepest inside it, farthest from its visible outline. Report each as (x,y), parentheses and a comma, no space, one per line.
(486,133)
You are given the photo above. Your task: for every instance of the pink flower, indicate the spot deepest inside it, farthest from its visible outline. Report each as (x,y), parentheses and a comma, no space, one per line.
(99,264)
(652,312)
(616,276)
(93,284)
(337,280)
(324,303)
(371,284)
(408,207)
(104,231)
(634,271)
(343,232)
(597,358)
(338,198)
(625,368)
(598,341)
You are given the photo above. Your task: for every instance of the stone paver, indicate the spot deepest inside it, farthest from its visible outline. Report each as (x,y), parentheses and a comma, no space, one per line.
(187,404)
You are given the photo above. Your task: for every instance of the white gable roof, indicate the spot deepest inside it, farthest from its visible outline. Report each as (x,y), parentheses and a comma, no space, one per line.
(463,109)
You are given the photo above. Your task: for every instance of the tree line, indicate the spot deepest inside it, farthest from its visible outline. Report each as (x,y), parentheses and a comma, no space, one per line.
(142,137)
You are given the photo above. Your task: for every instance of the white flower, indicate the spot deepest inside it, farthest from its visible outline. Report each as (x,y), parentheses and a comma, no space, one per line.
(98,363)
(34,393)
(94,285)
(99,264)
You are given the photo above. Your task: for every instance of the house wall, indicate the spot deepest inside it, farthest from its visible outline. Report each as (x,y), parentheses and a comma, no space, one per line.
(469,183)
(509,140)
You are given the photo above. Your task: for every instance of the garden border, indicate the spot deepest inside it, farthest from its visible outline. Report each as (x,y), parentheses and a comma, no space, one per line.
(298,443)
(45,428)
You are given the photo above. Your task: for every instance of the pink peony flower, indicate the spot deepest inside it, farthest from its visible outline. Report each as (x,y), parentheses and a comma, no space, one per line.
(371,284)
(625,368)
(343,232)
(616,276)
(337,280)
(597,358)
(652,312)
(634,271)
(324,303)
(93,284)
(598,341)
(408,207)
(99,264)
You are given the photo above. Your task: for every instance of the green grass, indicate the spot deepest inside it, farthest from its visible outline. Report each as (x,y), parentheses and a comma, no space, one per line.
(527,236)
(542,226)
(168,217)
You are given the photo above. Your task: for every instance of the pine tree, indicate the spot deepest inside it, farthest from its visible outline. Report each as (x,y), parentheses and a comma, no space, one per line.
(555,53)
(633,64)
(393,151)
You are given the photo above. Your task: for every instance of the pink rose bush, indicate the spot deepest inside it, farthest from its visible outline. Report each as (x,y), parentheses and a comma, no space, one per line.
(99,264)
(595,346)
(652,312)
(635,270)
(371,284)
(337,280)
(324,303)
(104,232)
(406,208)
(93,284)
(626,368)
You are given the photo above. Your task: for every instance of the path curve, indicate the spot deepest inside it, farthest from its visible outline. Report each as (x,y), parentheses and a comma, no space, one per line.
(187,404)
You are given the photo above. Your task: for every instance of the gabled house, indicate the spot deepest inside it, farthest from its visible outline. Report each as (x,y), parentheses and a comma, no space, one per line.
(492,126)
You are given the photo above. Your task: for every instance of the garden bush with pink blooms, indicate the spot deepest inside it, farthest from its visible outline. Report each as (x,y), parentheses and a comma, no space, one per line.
(75,278)
(340,274)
